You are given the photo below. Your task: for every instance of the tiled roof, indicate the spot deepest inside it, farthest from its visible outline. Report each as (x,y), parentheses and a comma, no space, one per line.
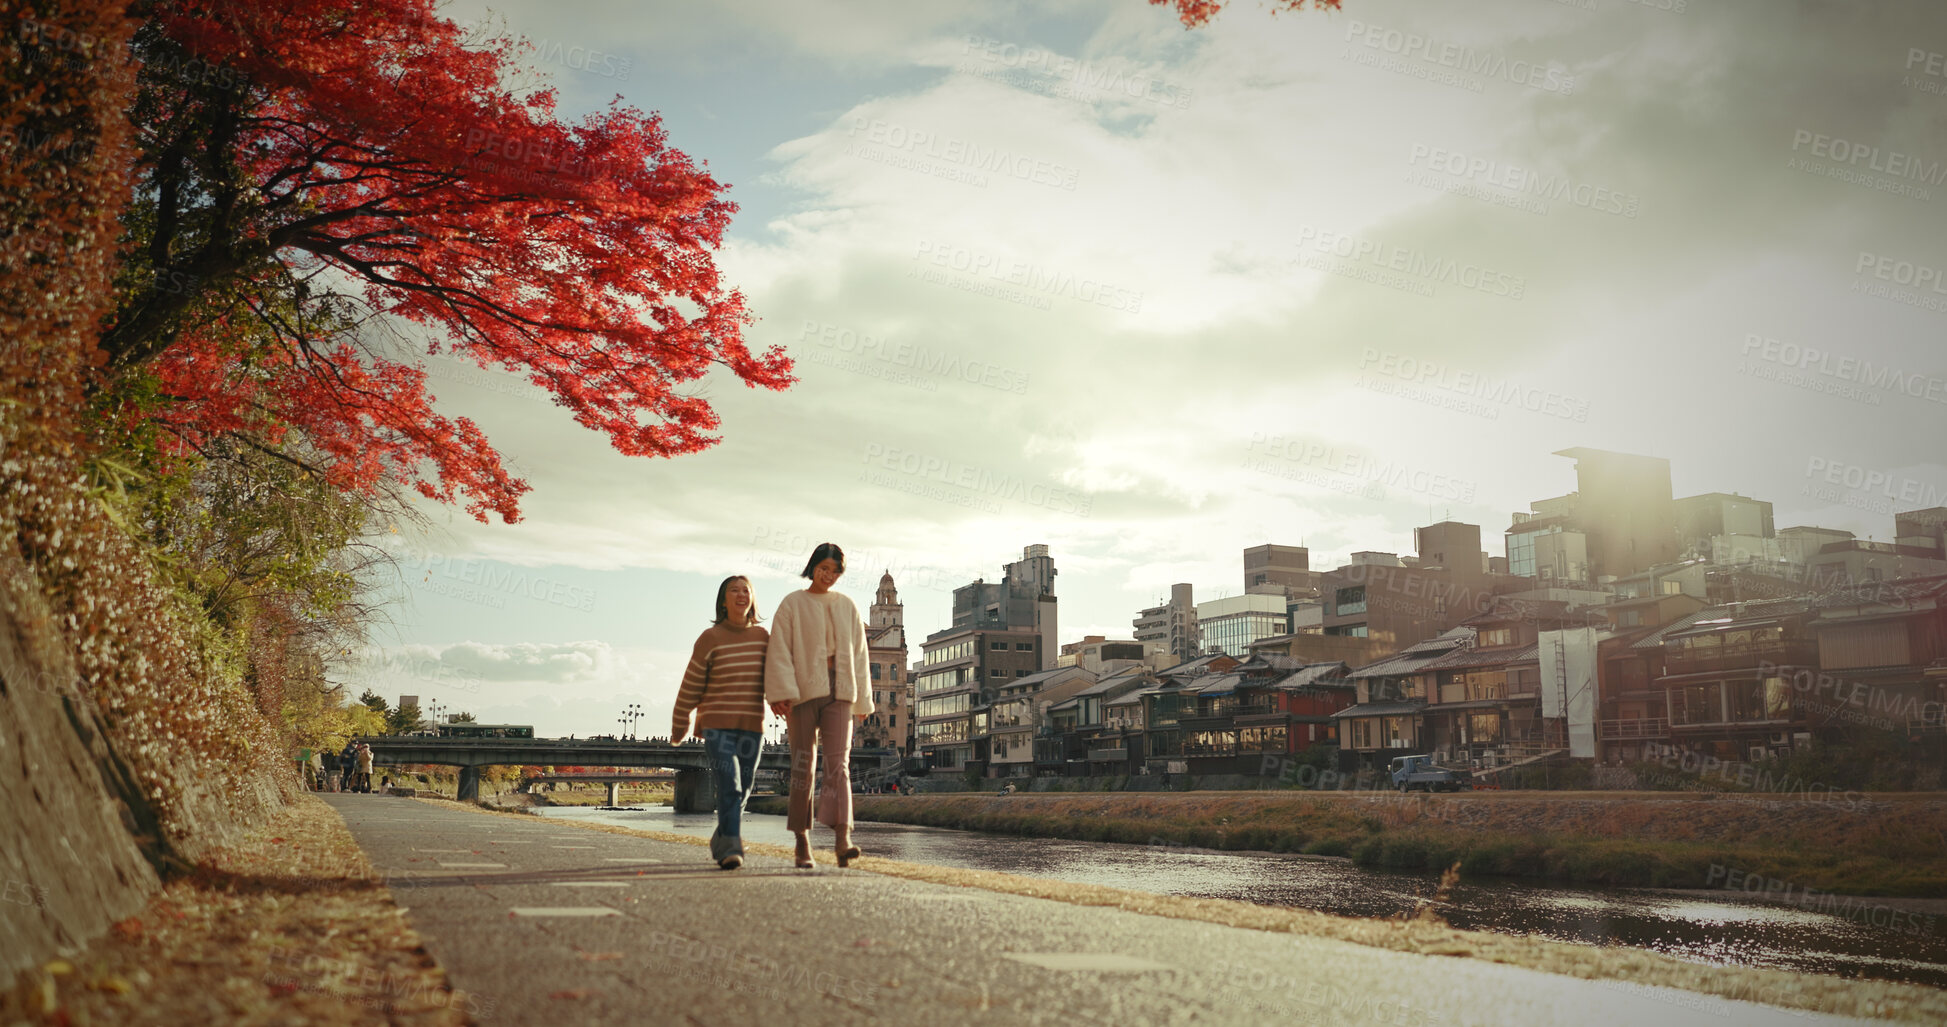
(1314,673)
(1654,640)
(1218,684)
(1885,593)
(1379,709)
(1495,657)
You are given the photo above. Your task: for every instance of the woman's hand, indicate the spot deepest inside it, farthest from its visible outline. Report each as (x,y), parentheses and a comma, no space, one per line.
(782,707)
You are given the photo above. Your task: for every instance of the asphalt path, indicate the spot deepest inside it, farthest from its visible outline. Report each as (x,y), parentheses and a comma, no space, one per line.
(551,924)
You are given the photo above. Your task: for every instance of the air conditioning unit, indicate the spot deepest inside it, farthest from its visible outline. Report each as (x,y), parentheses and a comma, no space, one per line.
(1781,738)
(1757,753)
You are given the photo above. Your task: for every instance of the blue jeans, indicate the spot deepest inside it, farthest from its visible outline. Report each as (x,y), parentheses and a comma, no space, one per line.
(733,763)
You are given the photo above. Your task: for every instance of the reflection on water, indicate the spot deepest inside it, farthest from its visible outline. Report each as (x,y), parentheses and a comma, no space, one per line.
(1706,930)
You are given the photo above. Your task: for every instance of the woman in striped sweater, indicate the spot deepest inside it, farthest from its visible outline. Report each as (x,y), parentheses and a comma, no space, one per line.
(724,686)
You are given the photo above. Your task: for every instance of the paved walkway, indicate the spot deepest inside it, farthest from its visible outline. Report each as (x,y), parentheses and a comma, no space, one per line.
(555,925)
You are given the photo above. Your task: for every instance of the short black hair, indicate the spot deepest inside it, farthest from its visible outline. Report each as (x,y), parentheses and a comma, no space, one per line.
(825,550)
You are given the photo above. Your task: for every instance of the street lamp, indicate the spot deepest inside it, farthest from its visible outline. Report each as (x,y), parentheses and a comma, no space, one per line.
(631,715)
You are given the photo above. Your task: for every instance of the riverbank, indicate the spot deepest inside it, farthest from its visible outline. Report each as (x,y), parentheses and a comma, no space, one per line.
(599,797)
(1880,845)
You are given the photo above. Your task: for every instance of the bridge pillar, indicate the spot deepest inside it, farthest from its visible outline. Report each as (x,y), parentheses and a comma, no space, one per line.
(469,784)
(696,791)
(615,793)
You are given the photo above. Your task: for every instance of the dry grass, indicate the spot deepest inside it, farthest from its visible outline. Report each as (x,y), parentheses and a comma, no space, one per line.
(290,926)
(1882,845)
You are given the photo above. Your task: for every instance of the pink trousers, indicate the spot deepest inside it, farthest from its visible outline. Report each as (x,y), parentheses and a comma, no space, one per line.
(822,725)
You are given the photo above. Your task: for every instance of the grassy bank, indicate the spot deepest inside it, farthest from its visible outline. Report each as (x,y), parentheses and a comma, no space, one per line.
(1885,845)
(599,797)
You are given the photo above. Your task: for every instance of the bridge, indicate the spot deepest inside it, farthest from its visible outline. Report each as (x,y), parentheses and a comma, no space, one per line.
(695,790)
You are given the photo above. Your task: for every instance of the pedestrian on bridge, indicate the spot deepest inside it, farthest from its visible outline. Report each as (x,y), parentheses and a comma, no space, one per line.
(816,678)
(724,688)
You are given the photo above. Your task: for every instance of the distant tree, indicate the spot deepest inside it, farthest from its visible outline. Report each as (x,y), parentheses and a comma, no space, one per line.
(376,703)
(403,720)
(461,718)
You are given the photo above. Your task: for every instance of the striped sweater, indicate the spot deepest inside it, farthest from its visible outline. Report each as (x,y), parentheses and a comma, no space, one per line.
(724,684)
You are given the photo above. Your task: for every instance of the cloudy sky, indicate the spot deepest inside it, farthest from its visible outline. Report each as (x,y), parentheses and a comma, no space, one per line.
(1067,273)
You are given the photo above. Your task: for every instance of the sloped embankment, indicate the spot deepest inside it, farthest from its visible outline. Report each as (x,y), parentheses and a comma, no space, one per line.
(1874,845)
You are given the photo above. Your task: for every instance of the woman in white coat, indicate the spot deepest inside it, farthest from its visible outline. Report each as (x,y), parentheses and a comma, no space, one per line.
(816,676)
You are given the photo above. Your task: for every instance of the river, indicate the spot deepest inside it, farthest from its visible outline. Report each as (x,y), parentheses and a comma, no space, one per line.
(1704,927)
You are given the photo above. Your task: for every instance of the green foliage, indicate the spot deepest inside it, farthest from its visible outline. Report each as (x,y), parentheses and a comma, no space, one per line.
(1569,775)
(403,720)
(375,702)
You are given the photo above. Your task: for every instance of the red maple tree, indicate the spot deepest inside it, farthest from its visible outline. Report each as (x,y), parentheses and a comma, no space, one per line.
(312,171)
(1198,12)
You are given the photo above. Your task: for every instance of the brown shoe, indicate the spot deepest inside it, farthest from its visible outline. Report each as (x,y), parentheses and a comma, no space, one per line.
(804,852)
(731,862)
(842,846)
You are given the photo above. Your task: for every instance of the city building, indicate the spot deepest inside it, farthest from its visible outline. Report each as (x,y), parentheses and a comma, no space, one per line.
(1172,697)
(1526,688)
(1001,631)
(1621,519)
(1452,546)
(1883,647)
(1267,706)
(1089,734)
(891,724)
(1388,697)
(1231,624)
(1283,569)
(1727,679)
(1922,528)
(1857,562)
(1024,599)
(1722,526)
(1632,708)
(1173,624)
(1099,655)
(1019,716)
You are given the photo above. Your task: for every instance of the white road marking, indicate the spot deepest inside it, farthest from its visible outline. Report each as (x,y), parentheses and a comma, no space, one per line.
(564,911)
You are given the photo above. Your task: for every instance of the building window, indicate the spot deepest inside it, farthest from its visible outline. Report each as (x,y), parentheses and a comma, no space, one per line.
(1349,601)
(997,647)
(1025,647)
(1484,727)
(1697,704)
(875,672)
(1493,637)
(1020,673)
(996,672)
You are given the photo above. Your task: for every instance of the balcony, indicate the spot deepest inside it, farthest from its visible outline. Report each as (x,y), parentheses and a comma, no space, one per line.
(1797,652)
(1633,728)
